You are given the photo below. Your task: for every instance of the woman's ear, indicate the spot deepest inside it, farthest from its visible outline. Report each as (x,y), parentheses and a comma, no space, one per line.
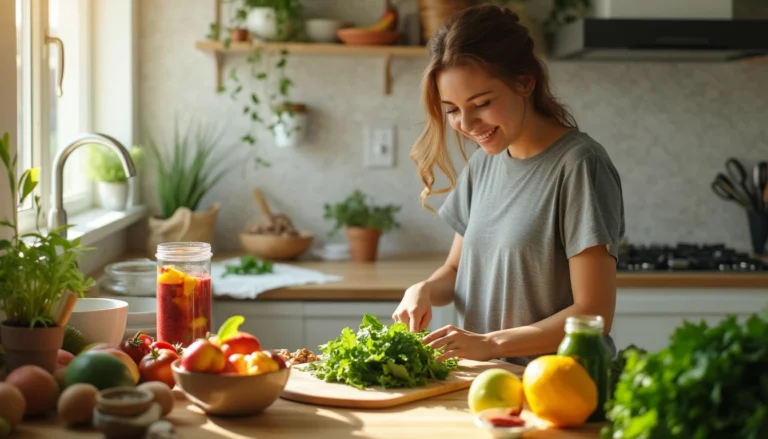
(525,85)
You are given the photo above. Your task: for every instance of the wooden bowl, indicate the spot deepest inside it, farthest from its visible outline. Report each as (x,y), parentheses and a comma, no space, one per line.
(365,37)
(231,395)
(276,247)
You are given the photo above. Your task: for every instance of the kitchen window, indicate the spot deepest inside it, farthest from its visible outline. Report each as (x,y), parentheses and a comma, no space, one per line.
(54,97)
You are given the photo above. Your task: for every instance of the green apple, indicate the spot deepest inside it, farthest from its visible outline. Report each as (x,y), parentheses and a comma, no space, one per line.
(496,388)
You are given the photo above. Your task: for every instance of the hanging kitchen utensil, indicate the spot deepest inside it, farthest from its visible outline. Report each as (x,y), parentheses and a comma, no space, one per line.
(739,181)
(723,188)
(759,181)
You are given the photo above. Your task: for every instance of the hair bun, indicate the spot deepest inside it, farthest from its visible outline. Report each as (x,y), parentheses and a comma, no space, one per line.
(511,13)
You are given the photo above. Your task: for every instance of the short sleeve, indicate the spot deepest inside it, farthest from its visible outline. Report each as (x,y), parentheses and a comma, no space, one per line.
(591,207)
(455,208)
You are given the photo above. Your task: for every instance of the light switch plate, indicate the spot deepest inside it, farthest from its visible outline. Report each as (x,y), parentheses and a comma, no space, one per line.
(379,146)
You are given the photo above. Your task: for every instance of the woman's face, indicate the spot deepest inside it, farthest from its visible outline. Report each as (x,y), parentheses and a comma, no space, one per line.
(482,108)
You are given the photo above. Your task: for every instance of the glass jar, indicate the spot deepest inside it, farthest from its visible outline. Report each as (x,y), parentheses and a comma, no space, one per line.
(585,342)
(183,291)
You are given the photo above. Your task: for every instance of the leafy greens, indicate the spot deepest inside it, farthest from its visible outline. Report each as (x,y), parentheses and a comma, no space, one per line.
(378,355)
(710,382)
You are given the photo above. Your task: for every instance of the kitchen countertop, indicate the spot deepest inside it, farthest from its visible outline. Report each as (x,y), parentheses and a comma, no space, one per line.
(390,276)
(445,416)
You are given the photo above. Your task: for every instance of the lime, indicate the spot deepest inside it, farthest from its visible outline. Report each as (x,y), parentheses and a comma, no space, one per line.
(100,369)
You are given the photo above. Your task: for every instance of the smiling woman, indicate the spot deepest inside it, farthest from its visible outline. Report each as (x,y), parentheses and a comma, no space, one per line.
(538,211)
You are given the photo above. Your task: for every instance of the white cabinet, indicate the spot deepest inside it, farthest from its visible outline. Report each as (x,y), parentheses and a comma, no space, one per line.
(647,317)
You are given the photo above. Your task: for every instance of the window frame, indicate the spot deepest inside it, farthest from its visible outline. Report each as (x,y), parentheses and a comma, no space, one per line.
(36,105)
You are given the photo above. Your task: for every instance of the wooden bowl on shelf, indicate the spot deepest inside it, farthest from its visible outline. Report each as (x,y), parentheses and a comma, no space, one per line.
(366,37)
(275,247)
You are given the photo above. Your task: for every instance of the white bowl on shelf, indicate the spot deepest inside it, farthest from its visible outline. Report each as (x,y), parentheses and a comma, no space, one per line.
(322,30)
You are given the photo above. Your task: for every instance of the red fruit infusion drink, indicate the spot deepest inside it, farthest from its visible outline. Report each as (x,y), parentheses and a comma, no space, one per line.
(183,291)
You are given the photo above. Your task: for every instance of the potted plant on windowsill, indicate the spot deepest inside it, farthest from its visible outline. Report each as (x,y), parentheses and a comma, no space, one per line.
(106,169)
(36,272)
(186,172)
(364,223)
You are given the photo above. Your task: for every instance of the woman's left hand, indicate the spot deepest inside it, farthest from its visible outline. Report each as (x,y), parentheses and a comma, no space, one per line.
(459,343)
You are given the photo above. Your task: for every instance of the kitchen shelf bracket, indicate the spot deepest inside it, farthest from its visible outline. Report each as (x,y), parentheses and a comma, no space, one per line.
(388,75)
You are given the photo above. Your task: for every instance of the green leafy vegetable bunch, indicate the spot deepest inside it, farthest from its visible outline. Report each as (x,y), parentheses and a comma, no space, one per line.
(380,355)
(709,382)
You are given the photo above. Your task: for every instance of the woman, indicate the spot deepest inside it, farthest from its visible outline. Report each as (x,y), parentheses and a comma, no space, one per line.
(537,212)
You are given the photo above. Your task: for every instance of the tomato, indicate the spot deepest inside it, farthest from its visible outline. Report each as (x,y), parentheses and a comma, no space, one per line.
(137,347)
(156,366)
(165,345)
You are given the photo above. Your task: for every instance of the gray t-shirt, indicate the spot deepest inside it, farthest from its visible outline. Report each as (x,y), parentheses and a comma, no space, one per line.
(521,220)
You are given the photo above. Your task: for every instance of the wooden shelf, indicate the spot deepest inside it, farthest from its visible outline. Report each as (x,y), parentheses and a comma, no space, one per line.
(314,48)
(240,48)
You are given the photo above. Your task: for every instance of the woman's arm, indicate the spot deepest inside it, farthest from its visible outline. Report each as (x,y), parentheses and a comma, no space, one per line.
(593,281)
(442,283)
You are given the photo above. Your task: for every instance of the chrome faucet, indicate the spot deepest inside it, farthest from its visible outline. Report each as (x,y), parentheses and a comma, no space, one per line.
(58,216)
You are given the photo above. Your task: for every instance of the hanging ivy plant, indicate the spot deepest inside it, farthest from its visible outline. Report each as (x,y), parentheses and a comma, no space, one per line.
(267,84)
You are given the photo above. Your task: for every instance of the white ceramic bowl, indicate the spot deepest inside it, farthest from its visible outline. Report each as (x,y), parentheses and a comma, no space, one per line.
(101,320)
(322,30)
(142,311)
(482,420)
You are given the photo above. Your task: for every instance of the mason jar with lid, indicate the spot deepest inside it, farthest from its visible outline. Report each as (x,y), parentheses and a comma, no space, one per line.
(183,291)
(584,341)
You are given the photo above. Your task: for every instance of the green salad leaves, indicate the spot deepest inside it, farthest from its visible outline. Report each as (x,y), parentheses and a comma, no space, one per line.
(709,382)
(378,355)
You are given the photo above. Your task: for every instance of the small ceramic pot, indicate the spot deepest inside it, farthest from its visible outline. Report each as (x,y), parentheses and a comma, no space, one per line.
(262,23)
(291,125)
(31,346)
(113,196)
(363,243)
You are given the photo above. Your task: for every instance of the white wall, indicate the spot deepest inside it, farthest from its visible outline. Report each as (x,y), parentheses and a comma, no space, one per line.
(7,96)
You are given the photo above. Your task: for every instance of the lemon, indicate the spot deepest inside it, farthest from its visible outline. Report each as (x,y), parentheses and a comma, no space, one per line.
(495,388)
(559,390)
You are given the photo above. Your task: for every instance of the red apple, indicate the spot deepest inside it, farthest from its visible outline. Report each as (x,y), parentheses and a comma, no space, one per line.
(242,343)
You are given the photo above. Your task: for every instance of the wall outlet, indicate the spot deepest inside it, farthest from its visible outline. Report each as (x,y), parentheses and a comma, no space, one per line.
(379,146)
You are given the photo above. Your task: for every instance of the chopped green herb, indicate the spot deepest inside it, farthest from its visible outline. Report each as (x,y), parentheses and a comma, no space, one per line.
(378,355)
(249,265)
(709,382)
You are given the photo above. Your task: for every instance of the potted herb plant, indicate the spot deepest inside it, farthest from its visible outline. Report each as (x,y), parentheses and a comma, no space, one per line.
(36,272)
(106,169)
(186,171)
(272,20)
(364,223)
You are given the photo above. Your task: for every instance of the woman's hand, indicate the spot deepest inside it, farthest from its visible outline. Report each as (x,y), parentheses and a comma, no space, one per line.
(459,343)
(415,310)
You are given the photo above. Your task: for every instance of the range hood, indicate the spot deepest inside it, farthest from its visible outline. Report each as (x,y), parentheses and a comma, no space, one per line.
(671,40)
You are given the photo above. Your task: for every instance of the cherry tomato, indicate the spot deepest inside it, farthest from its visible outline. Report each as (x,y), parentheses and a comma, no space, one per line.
(165,345)
(137,346)
(156,366)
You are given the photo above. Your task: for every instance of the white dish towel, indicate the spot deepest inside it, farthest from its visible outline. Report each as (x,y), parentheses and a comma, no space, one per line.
(249,286)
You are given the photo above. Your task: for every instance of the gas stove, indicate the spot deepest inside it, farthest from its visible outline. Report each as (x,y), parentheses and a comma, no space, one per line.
(685,257)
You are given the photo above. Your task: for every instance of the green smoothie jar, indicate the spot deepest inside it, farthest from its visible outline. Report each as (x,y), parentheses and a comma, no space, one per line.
(584,341)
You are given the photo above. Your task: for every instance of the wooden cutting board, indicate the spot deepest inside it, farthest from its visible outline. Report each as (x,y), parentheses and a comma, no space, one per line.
(303,387)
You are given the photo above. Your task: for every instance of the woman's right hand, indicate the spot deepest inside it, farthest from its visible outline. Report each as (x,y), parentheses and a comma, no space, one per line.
(415,310)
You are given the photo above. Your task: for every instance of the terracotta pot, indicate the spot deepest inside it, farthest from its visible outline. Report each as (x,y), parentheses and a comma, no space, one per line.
(37,346)
(363,243)
(183,226)
(240,34)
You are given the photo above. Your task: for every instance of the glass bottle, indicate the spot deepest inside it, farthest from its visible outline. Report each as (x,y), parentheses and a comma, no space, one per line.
(183,291)
(585,342)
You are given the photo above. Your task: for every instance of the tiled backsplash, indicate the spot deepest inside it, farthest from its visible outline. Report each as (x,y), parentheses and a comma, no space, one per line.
(668,127)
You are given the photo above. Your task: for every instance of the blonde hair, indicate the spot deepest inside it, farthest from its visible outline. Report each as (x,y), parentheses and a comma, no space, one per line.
(492,37)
